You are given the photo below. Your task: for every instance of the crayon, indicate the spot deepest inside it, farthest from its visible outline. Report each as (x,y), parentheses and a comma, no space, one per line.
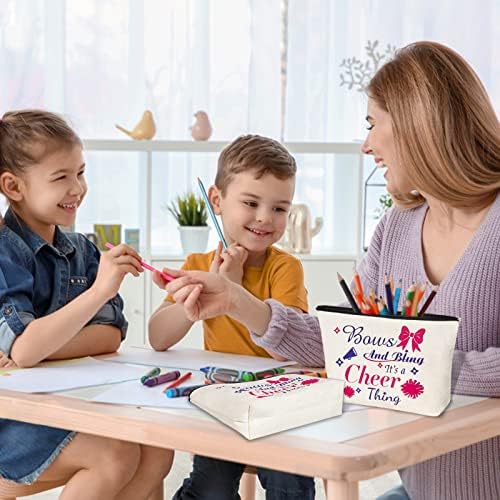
(211,212)
(163,379)
(224,375)
(249,376)
(149,374)
(348,294)
(180,392)
(179,381)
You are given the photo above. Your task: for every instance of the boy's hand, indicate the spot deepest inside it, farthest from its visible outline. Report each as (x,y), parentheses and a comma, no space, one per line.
(230,262)
(113,267)
(217,261)
(203,295)
(6,362)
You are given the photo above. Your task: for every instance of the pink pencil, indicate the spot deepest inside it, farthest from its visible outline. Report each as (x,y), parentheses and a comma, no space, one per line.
(145,265)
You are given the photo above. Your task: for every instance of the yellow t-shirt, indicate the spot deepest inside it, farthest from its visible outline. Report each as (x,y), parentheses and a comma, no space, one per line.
(280,278)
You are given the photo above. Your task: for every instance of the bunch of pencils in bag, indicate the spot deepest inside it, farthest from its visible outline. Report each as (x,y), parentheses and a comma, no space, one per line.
(394,297)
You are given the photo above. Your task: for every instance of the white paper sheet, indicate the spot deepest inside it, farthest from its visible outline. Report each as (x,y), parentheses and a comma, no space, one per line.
(193,359)
(54,376)
(135,394)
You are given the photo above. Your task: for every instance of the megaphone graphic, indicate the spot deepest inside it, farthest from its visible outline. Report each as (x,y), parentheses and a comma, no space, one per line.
(351,353)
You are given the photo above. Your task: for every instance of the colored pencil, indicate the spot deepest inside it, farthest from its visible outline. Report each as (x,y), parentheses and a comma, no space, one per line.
(348,294)
(419,293)
(427,303)
(359,285)
(211,212)
(384,311)
(397,294)
(388,295)
(409,300)
(145,265)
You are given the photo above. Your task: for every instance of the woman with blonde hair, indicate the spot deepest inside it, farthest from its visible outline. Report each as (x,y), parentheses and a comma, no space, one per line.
(434,130)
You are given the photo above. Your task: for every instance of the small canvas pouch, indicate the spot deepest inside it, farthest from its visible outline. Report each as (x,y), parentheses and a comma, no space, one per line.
(264,407)
(397,362)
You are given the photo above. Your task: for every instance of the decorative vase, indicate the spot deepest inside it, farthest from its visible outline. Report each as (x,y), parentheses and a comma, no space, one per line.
(194,239)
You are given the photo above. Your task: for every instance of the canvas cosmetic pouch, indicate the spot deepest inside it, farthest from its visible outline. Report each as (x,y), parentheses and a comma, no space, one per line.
(264,407)
(397,362)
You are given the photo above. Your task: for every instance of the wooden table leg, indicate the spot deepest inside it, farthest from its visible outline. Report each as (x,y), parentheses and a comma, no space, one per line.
(341,490)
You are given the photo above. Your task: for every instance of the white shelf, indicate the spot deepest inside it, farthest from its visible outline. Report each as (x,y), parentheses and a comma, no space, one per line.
(213,146)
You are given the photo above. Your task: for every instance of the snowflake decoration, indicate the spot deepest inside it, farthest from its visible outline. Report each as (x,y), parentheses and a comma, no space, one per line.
(357,74)
(412,388)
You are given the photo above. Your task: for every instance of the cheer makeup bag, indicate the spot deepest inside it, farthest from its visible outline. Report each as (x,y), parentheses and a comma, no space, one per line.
(271,405)
(396,362)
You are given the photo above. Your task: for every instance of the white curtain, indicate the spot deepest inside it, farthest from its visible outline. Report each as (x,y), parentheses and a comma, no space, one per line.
(102,63)
(322,33)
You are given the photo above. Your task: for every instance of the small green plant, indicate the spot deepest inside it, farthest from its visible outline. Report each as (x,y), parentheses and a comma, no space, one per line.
(189,210)
(385,202)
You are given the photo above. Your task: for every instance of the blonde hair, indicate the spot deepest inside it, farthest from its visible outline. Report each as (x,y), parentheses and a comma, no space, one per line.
(446,132)
(256,153)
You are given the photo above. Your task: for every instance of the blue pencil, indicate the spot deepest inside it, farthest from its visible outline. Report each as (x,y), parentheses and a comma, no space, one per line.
(397,294)
(211,212)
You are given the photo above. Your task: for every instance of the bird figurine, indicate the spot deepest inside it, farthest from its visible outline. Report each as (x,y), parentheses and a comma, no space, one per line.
(201,129)
(145,128)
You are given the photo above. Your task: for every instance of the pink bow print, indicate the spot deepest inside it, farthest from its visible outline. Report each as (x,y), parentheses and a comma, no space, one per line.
(416,338)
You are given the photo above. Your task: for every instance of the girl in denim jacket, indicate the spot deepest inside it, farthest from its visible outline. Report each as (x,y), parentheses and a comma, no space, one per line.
(58,299)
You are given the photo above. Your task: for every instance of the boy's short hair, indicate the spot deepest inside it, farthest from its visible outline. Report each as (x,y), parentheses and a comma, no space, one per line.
(261,155)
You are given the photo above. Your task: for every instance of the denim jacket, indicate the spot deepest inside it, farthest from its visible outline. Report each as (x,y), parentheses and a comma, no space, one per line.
(37,278)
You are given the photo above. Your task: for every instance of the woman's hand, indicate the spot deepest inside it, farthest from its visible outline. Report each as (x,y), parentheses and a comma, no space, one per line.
(230,262)
(6,362)
(113,267)
(203,295)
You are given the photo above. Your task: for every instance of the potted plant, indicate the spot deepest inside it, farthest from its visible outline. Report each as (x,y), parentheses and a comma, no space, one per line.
(190,212)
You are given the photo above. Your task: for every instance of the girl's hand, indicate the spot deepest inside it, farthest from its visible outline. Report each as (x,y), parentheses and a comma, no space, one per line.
(203,295)
(230,263)
(6,362)
(113,267)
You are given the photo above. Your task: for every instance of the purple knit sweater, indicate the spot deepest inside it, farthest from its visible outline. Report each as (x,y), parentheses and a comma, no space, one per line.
(470,291)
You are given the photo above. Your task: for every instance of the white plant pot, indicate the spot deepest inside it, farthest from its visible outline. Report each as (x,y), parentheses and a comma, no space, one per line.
(194,239)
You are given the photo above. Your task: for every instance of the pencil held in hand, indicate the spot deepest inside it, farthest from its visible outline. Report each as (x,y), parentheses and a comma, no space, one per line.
(212,214)
(145,265)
